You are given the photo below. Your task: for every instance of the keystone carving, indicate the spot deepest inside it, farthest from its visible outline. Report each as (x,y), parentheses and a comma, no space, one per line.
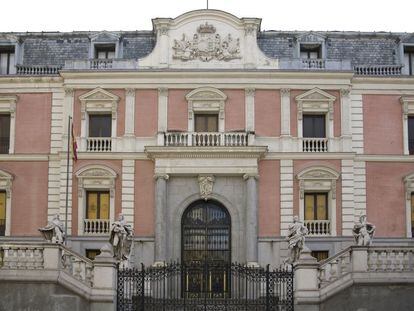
(206,186)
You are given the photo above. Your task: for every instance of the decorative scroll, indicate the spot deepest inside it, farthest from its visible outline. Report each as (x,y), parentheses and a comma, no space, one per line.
(207,45)
(206,186)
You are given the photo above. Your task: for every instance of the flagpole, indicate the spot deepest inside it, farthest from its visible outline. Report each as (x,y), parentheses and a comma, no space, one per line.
(67,181)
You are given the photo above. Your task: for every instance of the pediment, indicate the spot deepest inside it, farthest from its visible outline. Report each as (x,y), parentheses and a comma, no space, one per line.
(99,94)
(105,36)
(206,93)
(96,172)
(310,37)
(319,173)
(315,94)
(5,176)
(207,39)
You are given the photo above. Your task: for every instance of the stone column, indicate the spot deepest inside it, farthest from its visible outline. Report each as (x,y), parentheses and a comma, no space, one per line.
(346,120)
(129,137)
(286,141)
(162,114)
(251,219)
(160,218)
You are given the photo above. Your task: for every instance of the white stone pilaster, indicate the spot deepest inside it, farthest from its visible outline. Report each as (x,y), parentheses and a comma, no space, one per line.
(67,112)
(162,114)
(285,112)
(62,193)
(130,112)
(348,202)
(160,218)
(53,196)
(360,195)
(249,109)
(128,190)
(251,219)
(59,98)
(286,195)
(357,124)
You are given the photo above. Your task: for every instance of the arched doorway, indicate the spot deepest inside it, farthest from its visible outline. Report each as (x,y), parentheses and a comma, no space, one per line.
(206,233)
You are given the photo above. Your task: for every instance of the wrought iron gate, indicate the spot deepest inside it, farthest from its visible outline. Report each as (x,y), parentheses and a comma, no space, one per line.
(204,287)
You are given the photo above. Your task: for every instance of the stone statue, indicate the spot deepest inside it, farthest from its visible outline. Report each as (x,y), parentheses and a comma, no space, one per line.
(363,232)
(121,238)
(53,231)
(296,239)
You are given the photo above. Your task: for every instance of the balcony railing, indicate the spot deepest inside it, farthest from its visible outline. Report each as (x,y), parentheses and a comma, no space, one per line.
(2,227)
(96,226)
(315,144)
(4,145)
(98,144)
(206,139)
(37,70)
(318,227)
(101,64)
(378,70)
(313,63)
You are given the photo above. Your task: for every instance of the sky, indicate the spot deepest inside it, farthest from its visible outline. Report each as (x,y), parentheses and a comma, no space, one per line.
(344,15)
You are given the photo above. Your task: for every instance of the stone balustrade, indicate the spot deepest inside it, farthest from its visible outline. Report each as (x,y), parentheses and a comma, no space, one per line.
(101,64)
(37,70)
(25,256)
(206,139)
(334,267)
(318,227)
(313,63)
(378,70)
(79,267)
(98,144)
(96,226)
(390,259)
(310,144)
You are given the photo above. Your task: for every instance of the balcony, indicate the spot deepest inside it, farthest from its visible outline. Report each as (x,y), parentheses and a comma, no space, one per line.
(206,139)
(96,226)
(98,144)
(37,70)
(318,227)
(378,70)
(314,144)
(314,64)
(101,64)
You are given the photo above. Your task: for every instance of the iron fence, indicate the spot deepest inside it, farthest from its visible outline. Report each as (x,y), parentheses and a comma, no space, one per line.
(203,287)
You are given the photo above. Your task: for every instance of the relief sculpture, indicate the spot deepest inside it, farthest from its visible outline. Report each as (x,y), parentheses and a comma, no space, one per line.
(206,45)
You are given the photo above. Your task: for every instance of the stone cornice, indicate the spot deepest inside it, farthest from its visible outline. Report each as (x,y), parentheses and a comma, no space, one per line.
(154,152)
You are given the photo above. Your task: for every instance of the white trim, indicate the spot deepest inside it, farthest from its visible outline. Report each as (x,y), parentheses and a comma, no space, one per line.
(8,105)
(316,101)
(285,112)
(408,110)
(97,101)
(95,177)
(206,100)
(316,179)
(249,94)
(105,38)
(409,189)
(6,180)
(286,195)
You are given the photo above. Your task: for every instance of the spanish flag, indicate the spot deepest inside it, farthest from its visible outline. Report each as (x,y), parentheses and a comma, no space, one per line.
(73,145)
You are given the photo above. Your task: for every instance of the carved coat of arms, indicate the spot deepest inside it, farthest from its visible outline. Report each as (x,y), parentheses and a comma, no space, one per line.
(206,45)
(206,186)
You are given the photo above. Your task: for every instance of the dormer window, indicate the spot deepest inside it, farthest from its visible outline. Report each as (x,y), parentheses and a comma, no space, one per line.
(105,51)
(310,51)
(408,68)
(7,60)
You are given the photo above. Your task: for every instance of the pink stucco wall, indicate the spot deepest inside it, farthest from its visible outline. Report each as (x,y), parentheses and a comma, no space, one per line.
(33,133)
(144,198)
(235,110)
(300,165)
(120,125)
(267,112)
(383,132)
(146,112)
(294,116)
(386,197)
(29,196)
(269,198)
(116,165)
(177,110)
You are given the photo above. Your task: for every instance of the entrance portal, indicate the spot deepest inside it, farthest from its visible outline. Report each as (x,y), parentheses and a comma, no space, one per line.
(206,248)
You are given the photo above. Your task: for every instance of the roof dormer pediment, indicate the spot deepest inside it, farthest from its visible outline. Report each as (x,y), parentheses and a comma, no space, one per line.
(99,94)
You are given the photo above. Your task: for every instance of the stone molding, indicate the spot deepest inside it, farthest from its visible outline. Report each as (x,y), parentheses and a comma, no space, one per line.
(206,183)
(408,109)
(8,105)
(315,100)
(162,176)
(99,100)
(247,176)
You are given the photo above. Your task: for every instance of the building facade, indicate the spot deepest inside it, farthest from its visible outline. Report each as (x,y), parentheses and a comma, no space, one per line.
(208,135)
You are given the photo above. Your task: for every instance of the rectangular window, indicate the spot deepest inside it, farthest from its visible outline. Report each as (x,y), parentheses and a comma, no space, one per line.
(105,51)
(100,125)
(314,126)
(412,214)
(309,51)
(320,255)
(411,134)
(2,213)
(408,68)
(92,253)
(206,123)
(316,206)
(7,60)
(97,205)
(4,133)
